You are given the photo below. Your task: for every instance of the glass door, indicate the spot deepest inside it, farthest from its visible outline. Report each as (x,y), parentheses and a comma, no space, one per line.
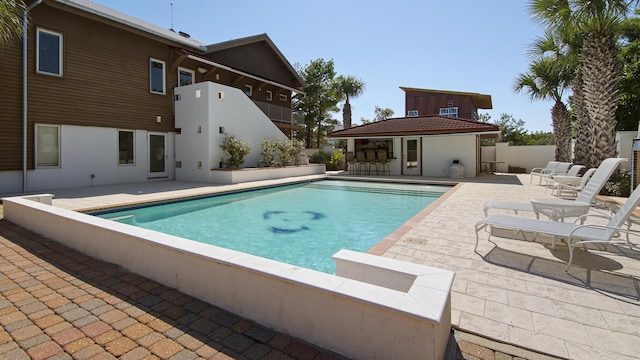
(157,155)
(411,157)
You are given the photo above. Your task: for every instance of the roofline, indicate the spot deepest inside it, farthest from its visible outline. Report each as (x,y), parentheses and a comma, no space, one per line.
(410,134)
(253,39)
(475,96)
(225,67)
(149,28)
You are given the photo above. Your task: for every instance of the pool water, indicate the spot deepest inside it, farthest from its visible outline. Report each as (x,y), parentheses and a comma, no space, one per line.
(301,224)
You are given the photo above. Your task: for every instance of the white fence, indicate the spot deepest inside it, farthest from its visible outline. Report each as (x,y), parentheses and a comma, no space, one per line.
(531,156)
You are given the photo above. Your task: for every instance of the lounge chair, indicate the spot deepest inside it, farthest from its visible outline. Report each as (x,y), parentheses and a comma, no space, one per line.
(571,184)
(573,171)
(587,195)
(574,233)
(548,169)
(561,169)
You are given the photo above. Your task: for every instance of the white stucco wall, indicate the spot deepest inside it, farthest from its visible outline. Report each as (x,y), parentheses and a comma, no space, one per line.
(10,182)
(438,153)
(212,106)
(624,144)
(94,150)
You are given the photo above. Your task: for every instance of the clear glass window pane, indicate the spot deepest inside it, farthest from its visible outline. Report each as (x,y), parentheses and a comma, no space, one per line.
(157,77)
(125,147)
(47,146)
(49,53)
(185,78)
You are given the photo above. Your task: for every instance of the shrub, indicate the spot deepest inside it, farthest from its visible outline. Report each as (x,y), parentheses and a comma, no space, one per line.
(332,161)
(618,185)
(281,153)
(235,151)
(268,153)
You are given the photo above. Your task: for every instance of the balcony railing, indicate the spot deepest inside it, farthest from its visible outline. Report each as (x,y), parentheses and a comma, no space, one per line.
(275,112)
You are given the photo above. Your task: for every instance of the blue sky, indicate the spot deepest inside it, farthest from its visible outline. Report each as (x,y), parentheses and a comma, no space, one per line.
(464,45)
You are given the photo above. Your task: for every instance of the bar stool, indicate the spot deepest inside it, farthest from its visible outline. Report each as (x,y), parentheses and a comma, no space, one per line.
(350,161)
(371,161)
(361,163)
(383,162)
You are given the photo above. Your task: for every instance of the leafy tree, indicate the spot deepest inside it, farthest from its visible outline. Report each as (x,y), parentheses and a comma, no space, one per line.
(484,117)
(539,138)
(320,100)
(511,130)
(628,112)
(348,87)
(382,114)
(11,16)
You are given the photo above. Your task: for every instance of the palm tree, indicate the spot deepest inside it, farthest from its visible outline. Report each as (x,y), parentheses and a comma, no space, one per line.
(11,14)
(549,75)
(349,87)
(583,131)
(595,21)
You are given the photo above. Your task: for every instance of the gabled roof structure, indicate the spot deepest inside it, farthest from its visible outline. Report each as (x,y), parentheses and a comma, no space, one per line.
(422,125)
(228,49)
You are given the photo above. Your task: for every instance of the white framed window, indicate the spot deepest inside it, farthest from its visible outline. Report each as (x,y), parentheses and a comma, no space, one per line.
(47,146)
(248,89)
(49,52)
(157,76)
(185,76)
(449,111)
(126,147)
(282,97)
(269,95)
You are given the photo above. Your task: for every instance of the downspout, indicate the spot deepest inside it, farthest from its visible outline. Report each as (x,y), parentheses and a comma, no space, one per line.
(24,93)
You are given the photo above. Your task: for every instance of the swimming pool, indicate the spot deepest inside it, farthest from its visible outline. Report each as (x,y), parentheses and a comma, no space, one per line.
(301,224)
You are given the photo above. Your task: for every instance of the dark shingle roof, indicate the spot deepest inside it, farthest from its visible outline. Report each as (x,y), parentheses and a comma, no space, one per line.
(422,125)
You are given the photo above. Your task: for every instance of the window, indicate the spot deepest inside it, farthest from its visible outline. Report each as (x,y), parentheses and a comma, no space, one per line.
(125,147)
(282,97)
(185,76)
(450,103)
(269,95)
(47,146)
(156,76)
(248,89)
(49,52)
(449,112)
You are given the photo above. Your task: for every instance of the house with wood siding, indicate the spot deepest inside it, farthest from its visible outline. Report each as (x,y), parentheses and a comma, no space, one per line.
(457,104)
(439,136)
(93,101)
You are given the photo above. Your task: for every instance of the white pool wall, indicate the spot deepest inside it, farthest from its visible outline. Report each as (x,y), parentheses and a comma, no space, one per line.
(374,308)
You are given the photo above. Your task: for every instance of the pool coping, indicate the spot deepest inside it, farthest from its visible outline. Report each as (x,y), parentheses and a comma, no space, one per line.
(422,311)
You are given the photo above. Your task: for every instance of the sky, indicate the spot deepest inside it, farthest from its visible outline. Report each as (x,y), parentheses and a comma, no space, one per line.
(463,45)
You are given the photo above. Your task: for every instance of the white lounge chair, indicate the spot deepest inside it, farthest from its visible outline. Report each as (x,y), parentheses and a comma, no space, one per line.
(574,233)
(573,171)
(587,195)
(571,184)
(560,170)
(548,169)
